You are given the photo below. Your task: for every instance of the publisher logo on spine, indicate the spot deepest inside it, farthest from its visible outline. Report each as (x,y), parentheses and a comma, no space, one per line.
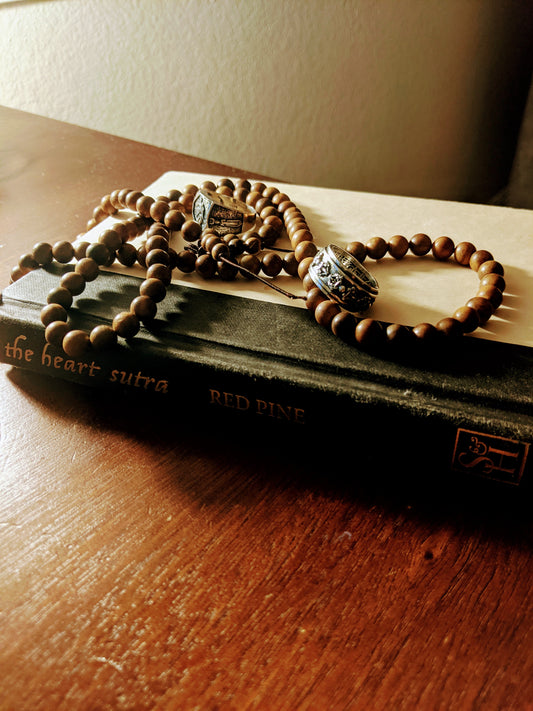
(489,456)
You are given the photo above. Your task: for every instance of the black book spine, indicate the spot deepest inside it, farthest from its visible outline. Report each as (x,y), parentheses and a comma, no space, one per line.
(409,441)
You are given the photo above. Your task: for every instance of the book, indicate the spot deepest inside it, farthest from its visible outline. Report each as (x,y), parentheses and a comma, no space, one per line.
(227,351)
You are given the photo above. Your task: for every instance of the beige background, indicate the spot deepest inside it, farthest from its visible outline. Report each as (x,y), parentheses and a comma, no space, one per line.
(412,97)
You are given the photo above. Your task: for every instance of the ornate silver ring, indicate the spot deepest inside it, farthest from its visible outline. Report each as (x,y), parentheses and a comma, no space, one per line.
(342,278)
(223,213)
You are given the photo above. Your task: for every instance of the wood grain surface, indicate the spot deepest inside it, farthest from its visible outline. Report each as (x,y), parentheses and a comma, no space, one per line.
(155,559)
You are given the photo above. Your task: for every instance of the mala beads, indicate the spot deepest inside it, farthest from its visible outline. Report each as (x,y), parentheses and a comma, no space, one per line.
(371,333)
(209,252)
(337,286)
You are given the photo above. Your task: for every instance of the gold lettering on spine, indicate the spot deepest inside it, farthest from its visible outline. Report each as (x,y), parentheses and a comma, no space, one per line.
(264,408)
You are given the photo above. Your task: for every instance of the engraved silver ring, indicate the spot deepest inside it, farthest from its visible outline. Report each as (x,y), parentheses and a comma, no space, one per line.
(342,278)
(223,213)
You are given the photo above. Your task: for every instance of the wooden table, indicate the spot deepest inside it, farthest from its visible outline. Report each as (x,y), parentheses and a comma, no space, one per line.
(152,560)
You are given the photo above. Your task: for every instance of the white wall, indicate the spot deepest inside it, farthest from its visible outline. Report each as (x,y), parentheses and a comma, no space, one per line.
(416,97)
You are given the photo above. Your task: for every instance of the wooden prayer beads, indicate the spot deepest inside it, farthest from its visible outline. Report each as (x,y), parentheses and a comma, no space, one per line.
(251,254)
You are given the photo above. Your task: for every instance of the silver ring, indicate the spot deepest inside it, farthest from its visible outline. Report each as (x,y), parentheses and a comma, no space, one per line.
(221,212)
(342,278)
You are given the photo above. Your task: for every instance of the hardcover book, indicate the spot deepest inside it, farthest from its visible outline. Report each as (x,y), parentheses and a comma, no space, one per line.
(238,347)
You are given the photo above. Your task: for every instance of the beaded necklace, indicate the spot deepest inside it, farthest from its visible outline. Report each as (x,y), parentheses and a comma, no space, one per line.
(231,229)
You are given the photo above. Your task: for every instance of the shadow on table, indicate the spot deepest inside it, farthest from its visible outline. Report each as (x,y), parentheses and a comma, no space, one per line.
(361,468)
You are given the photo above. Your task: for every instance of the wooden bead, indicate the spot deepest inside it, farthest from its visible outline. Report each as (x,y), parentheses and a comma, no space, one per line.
(468,318)
(209,240)
(325,312)
(261,204)
(226,183)
(251,263)
(157,256)
(207,185)
(483,307)
(236,246)
(127,254)
(302,235)
(295,226)
(449,327)
(158,210)
(227,271)
(478,257)
(154,289)
(74,282)
(174,220)
(271,264)
(126,324)
(491,266)
(252,243)
(492,294)
(121,230)
(63,251)
(219,250)
(290,264)
(284,206)
(191,231)
(305,249)
(162,272)
(357,250)
(60,295)
(76,343)
(240,194)
(398,335)
(253,197)
(27,261)
(143,205)
(88,268)
(268,234)
(99,214)
(114,199)
(243,184)
(343,326)
(42,253)
(369,333)
(55,332)
(376,248)
(443,248)
(53,312)
(268,211)
(206,266)
(420,244)
(425,332)
(18,272)
(103,338)
(185,262)
(303,267)
(279,198)
(314,297)
(224,190)
(144,308)
(398,246)
(186,200)
(131,199)
(308,283)
(99,252)
(111,239)
(80,249)
(275,222)
(493,280)
(270,191)
(107,205)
